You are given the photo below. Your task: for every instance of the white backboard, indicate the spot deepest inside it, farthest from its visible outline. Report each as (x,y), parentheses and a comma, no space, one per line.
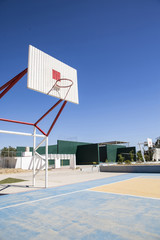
(43,73)
(149,141)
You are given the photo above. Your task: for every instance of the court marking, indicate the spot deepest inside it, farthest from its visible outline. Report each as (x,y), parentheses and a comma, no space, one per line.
(73,192)
(124,194)
(113,182)
(69,212)
(63,194)
(41,199)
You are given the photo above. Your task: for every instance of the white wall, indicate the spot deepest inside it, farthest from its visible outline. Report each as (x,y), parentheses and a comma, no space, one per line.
(156,155)
(27,162)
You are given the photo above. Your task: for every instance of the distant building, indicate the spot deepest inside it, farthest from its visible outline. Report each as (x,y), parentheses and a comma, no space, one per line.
(87,153)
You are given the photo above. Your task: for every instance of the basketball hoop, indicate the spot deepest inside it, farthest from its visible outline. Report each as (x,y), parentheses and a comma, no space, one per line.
(64,79)
(40,66)
(57,87)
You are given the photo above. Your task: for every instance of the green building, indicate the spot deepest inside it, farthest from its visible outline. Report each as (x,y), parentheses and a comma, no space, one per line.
(87,153)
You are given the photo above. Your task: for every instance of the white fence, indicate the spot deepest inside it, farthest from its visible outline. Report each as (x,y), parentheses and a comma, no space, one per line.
(7,162)
(27,161)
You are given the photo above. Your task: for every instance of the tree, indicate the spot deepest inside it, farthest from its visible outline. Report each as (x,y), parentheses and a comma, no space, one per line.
(131,156)
(157,143)
(139,156)
(8,152)
(120,158)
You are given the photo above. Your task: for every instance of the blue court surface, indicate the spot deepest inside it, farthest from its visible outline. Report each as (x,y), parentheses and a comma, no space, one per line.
(75,212)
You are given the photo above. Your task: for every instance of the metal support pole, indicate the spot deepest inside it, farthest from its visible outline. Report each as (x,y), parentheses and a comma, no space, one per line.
(46,172)
(34,154)
(21,133)
(142,152)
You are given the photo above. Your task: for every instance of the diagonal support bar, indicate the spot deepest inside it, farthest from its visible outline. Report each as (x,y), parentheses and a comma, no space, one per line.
(39,155)
(40,144)
(8,83)
(56,118)
(55,105)
(40,130)
(7,86)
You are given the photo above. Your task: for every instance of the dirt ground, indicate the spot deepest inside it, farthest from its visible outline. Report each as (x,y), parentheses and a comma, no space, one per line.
(12,170)
(56,177)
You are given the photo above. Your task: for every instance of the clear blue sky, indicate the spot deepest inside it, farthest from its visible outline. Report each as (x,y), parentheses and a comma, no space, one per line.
(115,47)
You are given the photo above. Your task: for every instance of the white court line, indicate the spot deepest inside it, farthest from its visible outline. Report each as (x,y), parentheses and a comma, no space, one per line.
(41,199)
(124,194)
(63,194)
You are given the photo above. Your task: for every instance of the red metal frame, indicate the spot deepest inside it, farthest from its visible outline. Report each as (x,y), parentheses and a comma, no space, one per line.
(14,121)
(7,86)
(56,118)
(48,112)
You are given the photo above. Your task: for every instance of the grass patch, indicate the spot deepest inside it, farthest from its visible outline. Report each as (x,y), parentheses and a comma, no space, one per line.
(11,180)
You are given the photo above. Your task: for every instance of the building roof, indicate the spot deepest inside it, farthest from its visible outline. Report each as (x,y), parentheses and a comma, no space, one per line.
(113,142)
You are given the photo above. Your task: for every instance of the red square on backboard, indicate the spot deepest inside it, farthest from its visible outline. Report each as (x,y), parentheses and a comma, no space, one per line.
(56,75)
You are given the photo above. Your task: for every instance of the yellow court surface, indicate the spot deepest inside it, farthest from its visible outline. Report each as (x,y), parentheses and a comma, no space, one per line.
(144,187)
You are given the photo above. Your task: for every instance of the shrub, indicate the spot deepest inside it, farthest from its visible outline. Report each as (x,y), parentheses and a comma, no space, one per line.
(147,157)
(120,159)
(131,156)
(139,156)
(127,162)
